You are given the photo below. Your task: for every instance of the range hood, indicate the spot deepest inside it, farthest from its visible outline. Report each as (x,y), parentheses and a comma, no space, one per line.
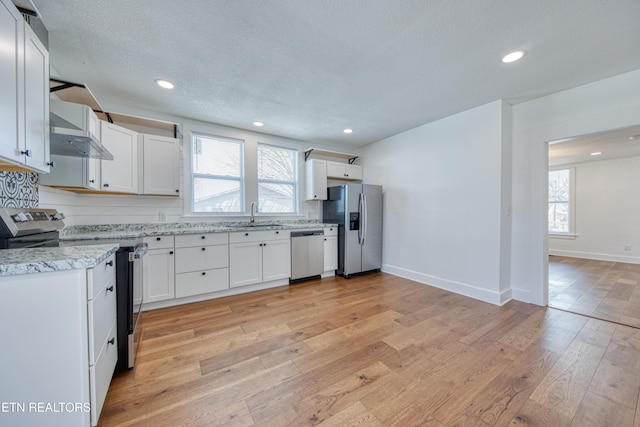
(71,133)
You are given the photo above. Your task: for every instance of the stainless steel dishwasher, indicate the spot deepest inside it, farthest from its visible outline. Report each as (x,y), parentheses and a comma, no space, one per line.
(307,254)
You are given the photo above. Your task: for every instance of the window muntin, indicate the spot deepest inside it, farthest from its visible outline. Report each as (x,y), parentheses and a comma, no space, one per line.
(277,183)
(560,201)
(217,174)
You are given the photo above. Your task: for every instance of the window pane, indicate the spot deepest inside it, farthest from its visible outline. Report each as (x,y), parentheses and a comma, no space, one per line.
(276,164)
(216,195)
(559,203)
(217,157)
(276,198)
(559,217)
(559,185)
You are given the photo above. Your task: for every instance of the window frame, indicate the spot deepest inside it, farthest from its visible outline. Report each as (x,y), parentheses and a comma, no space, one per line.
(194,175)
(571,233)
(295,183)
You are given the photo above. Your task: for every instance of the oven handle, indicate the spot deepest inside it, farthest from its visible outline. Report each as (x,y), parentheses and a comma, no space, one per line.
(140,251)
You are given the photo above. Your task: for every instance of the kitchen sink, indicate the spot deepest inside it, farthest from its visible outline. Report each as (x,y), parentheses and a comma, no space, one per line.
(258,225)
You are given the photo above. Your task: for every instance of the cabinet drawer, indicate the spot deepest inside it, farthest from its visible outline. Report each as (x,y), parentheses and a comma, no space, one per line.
(188,240)
(201,282)
(159,242)
(99,275)
(102,313)
(331,231)
(100,374)
(259,236)
(201,258)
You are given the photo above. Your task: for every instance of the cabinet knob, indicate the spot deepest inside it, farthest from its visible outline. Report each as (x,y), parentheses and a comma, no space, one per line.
(112,341)
(177,191)
(27,153)
(260,244)
(204,249)
(110,263)
(110,288)
(264,244)
(158,238)
(203,237)
(277,232)
(170,252)
(204,273)
(92,181)
(325,239)
(105,185)
(52,164)
(246,234)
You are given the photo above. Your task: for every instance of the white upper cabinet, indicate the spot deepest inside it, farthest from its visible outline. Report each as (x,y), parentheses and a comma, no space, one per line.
(24,95)
(344,171)
(36,106)
(315,179)
(119,175)
(161,165)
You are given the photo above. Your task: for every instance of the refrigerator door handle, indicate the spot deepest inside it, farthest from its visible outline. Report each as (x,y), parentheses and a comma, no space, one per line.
(365,218)
(360,218)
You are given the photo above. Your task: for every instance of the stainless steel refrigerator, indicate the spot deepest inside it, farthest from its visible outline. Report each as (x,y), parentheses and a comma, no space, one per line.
(357,209)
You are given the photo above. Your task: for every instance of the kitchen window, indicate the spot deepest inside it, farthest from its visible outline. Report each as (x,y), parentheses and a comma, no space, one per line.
(217,174)
(561,206)
(277,183)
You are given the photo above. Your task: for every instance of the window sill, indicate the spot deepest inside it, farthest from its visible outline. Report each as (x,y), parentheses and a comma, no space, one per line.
(567,236)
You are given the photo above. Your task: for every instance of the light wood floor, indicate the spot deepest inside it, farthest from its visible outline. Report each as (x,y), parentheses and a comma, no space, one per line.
(376,350)
(603,289)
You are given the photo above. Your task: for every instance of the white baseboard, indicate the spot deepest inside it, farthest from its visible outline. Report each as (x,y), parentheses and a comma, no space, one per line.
(596,256)
(465,289)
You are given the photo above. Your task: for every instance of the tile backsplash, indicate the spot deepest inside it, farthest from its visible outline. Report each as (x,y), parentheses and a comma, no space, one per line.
(18,190)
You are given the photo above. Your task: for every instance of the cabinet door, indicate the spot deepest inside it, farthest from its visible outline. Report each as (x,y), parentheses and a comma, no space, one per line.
(330,253)
(161,165)
(11,82)
(120,174)
(316,179)
(92,178)
(276,260)
(245,263)
(36,102)
(336,170)
(158,275)
(353,172)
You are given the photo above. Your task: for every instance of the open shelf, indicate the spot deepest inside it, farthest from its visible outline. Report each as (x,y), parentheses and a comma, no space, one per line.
(349,157)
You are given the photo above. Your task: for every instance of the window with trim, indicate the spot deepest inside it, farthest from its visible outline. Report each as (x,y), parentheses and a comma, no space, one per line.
(560,203)
(277,183)
(217,174)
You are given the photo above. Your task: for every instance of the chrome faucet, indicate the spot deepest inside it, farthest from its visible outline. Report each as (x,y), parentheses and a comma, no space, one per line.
(253,207)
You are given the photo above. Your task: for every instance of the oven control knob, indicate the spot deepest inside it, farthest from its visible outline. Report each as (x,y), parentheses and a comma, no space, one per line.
(57,216)
(20,217)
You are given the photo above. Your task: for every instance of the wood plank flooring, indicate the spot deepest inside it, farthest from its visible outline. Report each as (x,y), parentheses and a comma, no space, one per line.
(602,289)
(376,350)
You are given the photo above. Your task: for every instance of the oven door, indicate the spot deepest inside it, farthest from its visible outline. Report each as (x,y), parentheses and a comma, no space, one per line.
(40,240)
(135,296)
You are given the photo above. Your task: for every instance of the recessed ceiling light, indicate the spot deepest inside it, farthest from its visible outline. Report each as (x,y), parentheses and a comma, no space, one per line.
(259,124)
(348,131)
(513,56)
(164,84)
(596,153)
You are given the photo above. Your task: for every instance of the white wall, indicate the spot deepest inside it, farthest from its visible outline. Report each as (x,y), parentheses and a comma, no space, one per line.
(444,203)
(603,105)
(607,204)
(118,209)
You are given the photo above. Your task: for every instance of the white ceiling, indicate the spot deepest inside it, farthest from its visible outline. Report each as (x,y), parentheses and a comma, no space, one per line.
(309,68)
(624,142)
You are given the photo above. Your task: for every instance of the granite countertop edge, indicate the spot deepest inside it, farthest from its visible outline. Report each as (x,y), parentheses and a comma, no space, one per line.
(124,231)
(41,260)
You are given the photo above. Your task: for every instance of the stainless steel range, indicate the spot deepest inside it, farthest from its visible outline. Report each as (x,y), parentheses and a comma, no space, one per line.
(38,227)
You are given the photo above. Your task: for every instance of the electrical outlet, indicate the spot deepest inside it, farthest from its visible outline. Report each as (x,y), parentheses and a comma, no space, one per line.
(627,247)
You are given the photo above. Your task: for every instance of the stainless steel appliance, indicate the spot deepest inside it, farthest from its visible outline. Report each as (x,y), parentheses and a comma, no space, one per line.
(357,209)
(29,227)
(307,255)
(38,227)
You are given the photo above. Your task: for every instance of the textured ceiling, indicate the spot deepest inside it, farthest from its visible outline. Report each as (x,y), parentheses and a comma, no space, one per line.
(310,68)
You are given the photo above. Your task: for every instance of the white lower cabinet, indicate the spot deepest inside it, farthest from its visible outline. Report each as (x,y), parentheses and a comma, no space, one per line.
(158,281)
(330,249)
(64,352)
(202,263)
(259,256)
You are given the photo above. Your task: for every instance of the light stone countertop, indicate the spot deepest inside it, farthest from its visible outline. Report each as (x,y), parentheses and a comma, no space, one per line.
(40,260)
(125,231)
